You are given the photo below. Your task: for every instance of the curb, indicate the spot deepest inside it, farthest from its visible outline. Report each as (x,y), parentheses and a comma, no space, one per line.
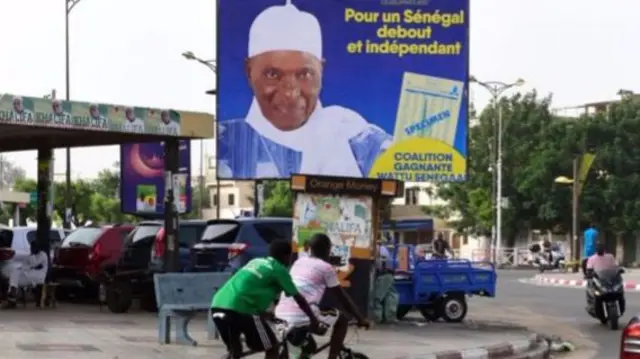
(542,279)
(535,347)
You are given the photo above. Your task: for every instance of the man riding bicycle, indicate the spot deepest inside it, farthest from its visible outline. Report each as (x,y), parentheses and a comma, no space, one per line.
(313,275)
(241,306)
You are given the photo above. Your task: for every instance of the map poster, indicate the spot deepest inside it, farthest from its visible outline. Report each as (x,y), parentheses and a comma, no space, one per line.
(347,220)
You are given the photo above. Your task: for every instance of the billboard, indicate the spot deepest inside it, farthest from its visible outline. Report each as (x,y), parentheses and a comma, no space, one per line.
(42,112)
(142,181)
(368,88)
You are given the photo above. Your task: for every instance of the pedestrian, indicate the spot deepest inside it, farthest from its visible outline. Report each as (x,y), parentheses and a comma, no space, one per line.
(590,243)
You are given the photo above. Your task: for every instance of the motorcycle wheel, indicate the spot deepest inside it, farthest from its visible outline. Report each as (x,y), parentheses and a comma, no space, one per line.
(454,308)
(613,322)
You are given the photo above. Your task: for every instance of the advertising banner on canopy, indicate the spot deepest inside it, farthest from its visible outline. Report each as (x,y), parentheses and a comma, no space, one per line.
(41,112)
(369,88)
(142,181)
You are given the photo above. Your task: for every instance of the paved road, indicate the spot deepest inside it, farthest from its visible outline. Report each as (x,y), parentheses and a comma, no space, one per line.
(563,304)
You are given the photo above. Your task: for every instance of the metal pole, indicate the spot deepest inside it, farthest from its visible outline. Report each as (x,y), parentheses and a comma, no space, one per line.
(67,195)
(201,214)
(218,195)
(574,211)
(52,183)
(499,188)
(494,139)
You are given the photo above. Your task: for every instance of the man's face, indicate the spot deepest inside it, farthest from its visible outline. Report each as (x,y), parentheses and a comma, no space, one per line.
(94,112)
(286,85)
(129,114)
(17,105)
(57,108)
(164,116)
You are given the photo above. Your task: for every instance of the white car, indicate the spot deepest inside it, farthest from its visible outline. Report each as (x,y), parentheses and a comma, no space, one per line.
(29,234)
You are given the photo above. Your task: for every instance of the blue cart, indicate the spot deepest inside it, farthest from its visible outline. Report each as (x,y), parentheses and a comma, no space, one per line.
(439,288)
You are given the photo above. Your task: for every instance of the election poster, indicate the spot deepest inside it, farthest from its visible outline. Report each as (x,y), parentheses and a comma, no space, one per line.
(43,112)
(142,180)
(365,88)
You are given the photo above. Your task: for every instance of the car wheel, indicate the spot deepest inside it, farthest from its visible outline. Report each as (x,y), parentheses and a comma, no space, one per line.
(454,308)
(119,297)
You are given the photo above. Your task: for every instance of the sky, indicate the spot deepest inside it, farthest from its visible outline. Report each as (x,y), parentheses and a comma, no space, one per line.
(129,52)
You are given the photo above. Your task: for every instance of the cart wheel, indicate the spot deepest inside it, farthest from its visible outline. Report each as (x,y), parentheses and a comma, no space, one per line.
(403,310)
(454,308)
(430,312)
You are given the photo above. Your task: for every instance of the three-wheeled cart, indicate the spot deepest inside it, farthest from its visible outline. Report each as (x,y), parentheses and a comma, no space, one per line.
(439,288)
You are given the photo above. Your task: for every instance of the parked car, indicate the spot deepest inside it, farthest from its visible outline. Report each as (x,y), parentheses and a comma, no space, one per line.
(83,254)
(132,276)
(228,244)
(630,340)
(56,236)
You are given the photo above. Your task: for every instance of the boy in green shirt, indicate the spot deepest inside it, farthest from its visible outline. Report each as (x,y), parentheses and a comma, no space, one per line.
(241,305)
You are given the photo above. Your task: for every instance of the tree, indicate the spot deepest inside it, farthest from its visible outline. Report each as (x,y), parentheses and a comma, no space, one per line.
(278,199)
(533,155)
(9,173)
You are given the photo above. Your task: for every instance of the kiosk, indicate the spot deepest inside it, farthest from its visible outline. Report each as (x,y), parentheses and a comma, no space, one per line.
(348,210)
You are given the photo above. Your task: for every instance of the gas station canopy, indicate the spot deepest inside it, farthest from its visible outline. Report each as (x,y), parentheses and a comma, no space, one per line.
(30,123)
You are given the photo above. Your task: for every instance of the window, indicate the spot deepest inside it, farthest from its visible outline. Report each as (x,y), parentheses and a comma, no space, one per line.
(411,196)
(145,231)
(6,238)
(231,199)
(273,231)
(215,200)
(82,237)
(222,232)
(212,163)
(189,235)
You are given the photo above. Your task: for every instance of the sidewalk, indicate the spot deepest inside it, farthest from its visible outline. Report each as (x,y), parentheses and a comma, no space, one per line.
(71,329)
(631,280)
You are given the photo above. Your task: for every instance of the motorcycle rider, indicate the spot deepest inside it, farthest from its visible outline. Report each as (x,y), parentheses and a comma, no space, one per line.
(601,260)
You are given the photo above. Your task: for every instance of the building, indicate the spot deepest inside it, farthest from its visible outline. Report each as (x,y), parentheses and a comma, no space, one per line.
(233,197)
(411,223)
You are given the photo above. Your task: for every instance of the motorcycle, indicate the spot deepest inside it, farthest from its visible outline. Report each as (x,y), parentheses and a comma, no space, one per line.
(541,260)
(605,296)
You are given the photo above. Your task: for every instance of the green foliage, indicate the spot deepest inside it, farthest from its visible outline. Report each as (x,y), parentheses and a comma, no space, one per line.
(537,148)
(96,200)
(278,199)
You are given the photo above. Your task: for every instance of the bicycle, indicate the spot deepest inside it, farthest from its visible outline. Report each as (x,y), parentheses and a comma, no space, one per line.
(301,337)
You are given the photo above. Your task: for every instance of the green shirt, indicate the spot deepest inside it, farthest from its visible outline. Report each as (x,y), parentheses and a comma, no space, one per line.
(255,287)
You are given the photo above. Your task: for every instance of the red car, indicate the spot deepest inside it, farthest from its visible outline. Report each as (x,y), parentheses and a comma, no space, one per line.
(630,341)
(82,255)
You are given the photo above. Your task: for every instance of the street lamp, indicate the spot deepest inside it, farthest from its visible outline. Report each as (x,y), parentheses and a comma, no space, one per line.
(575,196)
(69,5)
(211,65)
(497,89)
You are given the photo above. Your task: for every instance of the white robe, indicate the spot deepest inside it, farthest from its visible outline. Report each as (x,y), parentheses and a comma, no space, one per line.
(28,274)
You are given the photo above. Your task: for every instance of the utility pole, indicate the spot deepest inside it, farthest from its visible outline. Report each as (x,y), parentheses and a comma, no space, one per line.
(68,200)
(575,196)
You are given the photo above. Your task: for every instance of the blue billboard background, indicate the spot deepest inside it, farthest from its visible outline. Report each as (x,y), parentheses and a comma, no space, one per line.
(368,83)
(142,177)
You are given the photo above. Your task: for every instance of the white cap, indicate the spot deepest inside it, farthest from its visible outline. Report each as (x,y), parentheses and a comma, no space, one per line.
(285,28)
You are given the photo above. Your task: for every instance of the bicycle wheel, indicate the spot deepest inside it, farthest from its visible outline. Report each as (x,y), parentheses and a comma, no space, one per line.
(350,354)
